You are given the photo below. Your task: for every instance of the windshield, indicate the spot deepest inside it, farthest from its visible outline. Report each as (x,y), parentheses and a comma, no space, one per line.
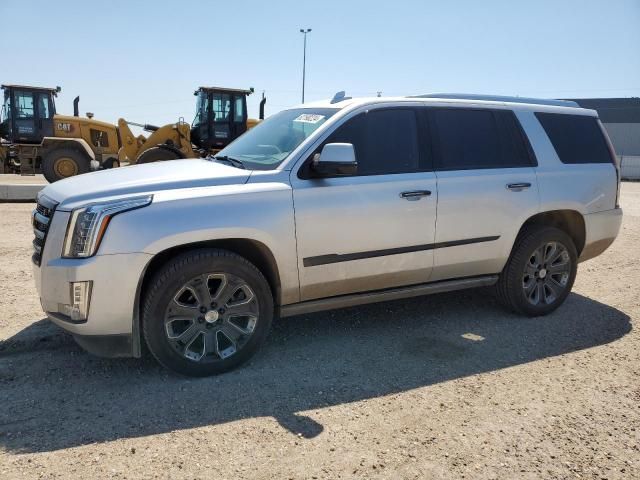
(265,146)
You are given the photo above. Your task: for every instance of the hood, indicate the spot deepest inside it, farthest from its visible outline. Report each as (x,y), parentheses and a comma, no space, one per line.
(141,179)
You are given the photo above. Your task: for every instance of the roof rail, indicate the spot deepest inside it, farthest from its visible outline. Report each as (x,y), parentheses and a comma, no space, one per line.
(500,98)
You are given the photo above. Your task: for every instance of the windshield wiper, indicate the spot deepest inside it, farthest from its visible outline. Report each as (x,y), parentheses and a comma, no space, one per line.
(231,161)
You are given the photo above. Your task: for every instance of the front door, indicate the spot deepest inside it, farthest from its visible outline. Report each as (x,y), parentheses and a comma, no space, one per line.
(25,126)
(221,125)
(373,230)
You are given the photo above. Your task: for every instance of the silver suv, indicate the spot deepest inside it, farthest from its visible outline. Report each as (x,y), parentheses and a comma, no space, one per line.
(327,205)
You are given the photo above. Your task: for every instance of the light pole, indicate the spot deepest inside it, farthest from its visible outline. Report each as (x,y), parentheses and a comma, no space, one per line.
(304,31)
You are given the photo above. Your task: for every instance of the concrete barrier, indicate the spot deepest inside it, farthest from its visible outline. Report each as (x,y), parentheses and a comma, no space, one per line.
(14,188)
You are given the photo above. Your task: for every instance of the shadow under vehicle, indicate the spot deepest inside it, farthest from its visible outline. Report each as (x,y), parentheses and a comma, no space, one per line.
(55,396)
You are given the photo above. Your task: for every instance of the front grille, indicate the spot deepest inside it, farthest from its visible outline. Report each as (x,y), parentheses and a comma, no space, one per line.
(41,218)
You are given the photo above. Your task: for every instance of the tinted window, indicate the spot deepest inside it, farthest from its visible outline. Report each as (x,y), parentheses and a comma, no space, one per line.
(385,141)
(469,139)
(576,138)
(515,148)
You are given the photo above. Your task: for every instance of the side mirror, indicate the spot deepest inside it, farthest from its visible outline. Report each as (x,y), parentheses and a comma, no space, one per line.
(336,159)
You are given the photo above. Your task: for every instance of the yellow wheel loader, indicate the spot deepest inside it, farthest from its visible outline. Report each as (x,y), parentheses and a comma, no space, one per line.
(221,117)
(34,138)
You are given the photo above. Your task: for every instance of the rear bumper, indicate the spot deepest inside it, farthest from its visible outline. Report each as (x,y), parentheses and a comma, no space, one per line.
(601,230)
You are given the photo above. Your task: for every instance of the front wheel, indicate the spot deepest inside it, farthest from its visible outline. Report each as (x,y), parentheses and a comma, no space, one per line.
(540,272)
(206,312)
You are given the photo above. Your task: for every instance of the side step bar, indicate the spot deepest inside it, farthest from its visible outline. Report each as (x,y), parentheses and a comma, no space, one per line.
(351,300)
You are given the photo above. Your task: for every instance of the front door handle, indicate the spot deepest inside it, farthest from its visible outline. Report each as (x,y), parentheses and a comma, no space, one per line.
(518,187)
(415,194)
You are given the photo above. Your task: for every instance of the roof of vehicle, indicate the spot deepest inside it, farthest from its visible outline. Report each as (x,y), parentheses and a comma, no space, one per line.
(225,89)
(31,87)
(564,106)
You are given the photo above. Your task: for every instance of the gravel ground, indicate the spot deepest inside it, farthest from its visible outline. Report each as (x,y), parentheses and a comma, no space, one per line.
(447,386)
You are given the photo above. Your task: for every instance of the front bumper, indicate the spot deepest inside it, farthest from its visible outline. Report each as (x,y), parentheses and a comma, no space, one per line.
(111,325)
(601,230)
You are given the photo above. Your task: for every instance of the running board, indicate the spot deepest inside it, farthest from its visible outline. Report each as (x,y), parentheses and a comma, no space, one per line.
(351,300)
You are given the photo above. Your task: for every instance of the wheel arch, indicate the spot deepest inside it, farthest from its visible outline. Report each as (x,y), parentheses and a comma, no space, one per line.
(254,251)
(569,221)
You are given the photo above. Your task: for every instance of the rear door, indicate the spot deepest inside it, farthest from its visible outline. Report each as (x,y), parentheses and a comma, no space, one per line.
(487,188)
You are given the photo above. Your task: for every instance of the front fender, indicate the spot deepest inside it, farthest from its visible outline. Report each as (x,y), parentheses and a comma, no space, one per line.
(258,212)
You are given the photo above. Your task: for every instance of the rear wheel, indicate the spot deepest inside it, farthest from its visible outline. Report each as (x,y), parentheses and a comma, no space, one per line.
(206,312)
(157,154)
(64,162)
(540,272)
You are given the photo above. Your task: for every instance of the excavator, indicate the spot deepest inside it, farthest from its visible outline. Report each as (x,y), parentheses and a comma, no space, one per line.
(35,138)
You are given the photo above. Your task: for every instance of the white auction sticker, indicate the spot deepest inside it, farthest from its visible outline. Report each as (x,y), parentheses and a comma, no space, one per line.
(309,118)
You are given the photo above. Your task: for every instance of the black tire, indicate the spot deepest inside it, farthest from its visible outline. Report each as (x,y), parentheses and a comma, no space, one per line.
(523,268)
(157,154)
(64,162)
(109,163)
(163,294)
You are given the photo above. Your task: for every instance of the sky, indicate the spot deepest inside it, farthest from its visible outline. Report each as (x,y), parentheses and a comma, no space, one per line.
(142,60)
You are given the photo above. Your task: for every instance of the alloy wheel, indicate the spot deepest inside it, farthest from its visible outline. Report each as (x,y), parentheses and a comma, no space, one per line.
(546,274)
(211,317)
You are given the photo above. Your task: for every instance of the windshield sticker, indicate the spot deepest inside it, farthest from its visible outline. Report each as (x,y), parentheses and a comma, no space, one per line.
(309,118)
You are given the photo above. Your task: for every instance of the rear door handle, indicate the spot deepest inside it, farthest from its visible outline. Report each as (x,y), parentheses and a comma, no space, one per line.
(517,187)
(415,194)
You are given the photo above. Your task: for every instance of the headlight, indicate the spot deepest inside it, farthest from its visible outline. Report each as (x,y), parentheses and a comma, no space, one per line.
(88,224)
